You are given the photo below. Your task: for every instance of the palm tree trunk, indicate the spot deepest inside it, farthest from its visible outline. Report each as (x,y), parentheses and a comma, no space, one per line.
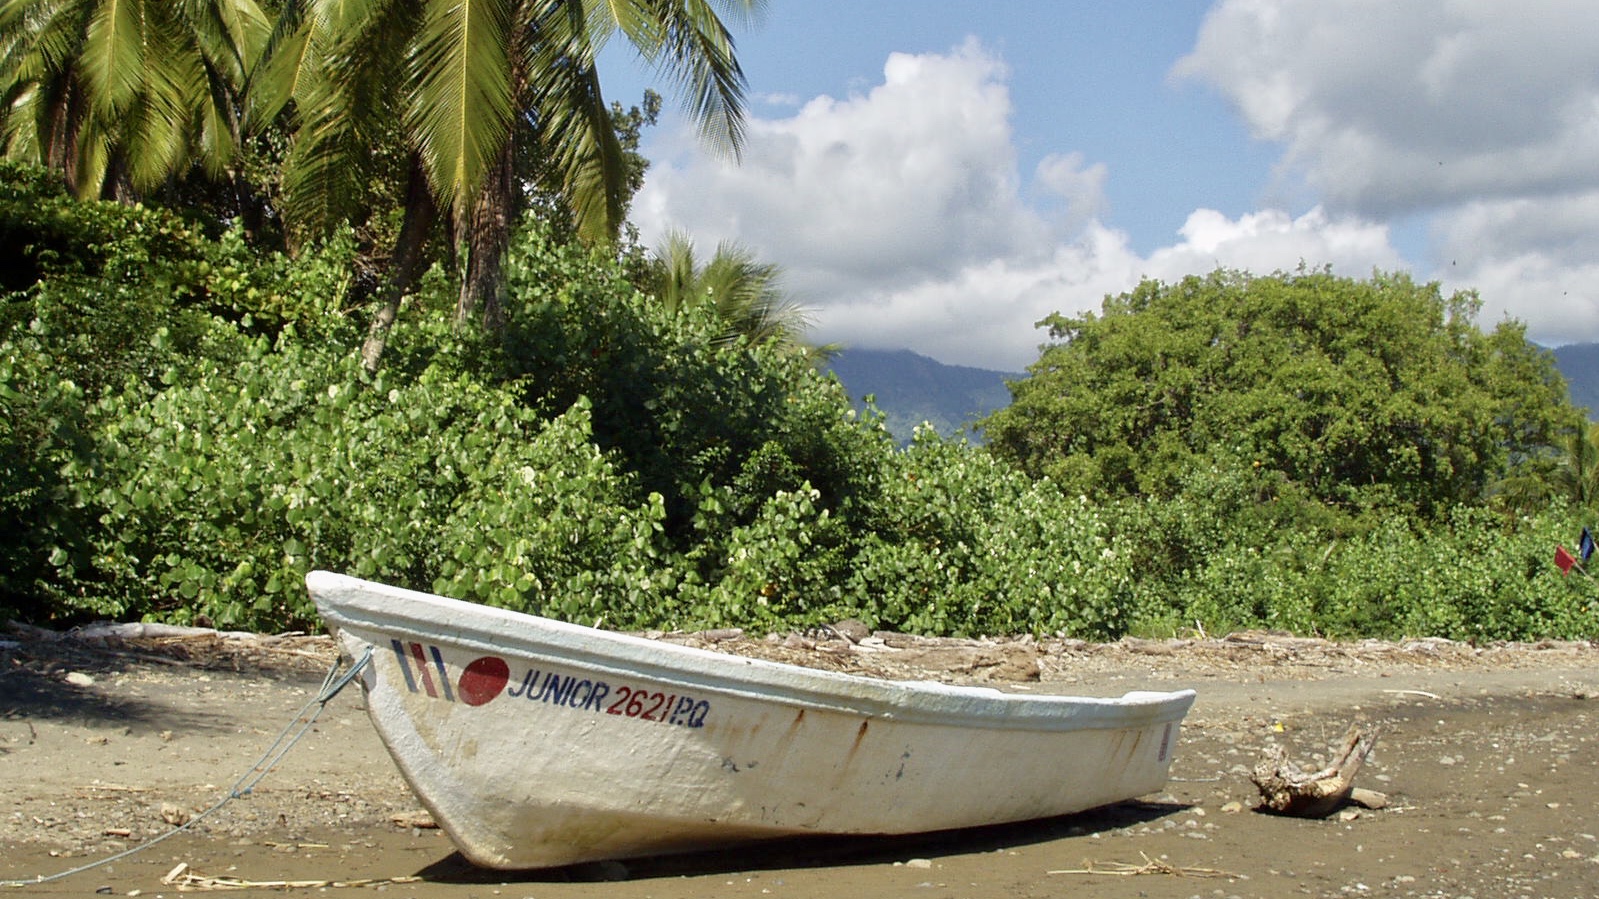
(404,265)
(61,147)
(488,235)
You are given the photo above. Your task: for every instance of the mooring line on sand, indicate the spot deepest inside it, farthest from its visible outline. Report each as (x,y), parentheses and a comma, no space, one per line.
(335,681)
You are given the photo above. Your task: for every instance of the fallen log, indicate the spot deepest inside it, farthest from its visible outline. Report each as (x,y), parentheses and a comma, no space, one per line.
(1287,789)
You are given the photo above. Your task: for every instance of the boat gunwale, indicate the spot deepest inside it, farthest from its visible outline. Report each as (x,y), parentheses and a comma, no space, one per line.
(558,643)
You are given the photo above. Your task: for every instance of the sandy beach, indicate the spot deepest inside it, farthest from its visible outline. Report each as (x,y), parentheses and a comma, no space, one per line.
(1487,755)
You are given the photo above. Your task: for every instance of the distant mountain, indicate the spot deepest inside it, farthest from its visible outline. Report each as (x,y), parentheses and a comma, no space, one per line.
(911,389)
(1579,364)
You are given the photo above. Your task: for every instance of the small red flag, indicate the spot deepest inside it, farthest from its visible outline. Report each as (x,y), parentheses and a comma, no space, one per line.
(1564,560)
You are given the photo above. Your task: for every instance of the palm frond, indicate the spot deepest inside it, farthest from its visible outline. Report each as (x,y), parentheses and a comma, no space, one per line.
(459,111)
(278,74)
(697,51)
(230,34)
(745,295)
(576,130)
(332,69)
(39,40)
(113,54)
(91,158)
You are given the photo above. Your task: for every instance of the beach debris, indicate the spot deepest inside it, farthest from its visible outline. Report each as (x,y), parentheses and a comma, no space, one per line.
(1150,866)
(186,879)
(175,815)
(1288,789)
(1421,693)
(415,819)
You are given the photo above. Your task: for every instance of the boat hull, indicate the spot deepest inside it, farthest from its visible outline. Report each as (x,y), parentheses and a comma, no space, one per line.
(537,743)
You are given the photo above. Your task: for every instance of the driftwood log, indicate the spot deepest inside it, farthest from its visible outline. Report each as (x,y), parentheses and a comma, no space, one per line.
(1287,789)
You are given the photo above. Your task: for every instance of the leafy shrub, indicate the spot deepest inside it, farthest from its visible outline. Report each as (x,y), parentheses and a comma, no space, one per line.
(268,292)
(100,287)
(187,431)
(1377,394)
(781,569)
(1477,576)
(959,543)
(220,495)
(680,410)
(1245,587)
(46,457)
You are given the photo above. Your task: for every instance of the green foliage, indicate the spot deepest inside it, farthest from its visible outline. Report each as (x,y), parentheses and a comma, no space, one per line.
(266,292)
(94,305)
(45,457)
(101,286)
(187,430)
(114,292)
(681,408)
(781,569)
(221,494)
(745,294)
(1362,395)
(958,543)
(1576,475)
(1477,575)
(127,95)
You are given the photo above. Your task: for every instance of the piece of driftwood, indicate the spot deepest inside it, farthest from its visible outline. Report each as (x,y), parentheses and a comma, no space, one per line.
(1150,866)
(1287,789)
(186,879)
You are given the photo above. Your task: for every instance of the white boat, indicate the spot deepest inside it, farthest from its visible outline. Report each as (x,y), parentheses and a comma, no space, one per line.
(537,743)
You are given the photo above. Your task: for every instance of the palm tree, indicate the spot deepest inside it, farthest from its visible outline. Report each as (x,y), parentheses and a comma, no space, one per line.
(1577,478)
(745,294)
(1570,474)
(470,81)
(120,96)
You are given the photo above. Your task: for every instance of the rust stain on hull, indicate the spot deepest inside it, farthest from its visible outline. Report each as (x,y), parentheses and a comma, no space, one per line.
(859,736)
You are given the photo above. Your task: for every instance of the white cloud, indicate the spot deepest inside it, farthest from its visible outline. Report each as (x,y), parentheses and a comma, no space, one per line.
(1561,227)
(1555,300)
(985,314)
(1079,185)
(900,217)
(1533,259)
(1271,240)
(1479,116)
(915,178)
(1388,108)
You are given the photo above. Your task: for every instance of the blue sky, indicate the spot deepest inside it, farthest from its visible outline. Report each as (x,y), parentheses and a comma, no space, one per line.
(939,175)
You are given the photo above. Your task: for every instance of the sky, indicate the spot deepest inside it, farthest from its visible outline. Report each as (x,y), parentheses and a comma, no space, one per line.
(940,175)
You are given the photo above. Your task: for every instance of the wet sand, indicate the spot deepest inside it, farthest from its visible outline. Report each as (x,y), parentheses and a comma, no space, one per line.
(1488,757)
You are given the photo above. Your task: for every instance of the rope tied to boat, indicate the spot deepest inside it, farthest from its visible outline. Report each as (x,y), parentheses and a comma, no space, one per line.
(337,678)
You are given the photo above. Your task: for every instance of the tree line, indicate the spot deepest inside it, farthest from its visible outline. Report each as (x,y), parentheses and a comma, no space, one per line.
(189,427)
(279,294)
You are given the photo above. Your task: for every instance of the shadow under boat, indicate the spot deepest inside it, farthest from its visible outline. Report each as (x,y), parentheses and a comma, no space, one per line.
(829,851)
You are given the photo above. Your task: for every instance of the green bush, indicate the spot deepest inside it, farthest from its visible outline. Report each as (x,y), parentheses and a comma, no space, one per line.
(221,494)
(1379,394)
(109,307)
(958,543)
(781,569)
(1477,576)
(187,430)
(680,410)
(46,458)
(91,306)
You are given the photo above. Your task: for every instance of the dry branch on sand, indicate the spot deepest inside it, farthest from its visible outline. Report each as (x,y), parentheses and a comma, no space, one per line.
(185,879)
(1287,789)
(1150,866)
